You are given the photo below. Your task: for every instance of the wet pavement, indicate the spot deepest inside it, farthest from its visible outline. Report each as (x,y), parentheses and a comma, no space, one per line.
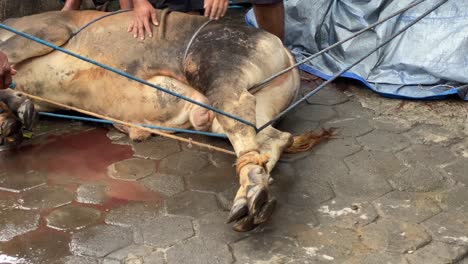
(390,188)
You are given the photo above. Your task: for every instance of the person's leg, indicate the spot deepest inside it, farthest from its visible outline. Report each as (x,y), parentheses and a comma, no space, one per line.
(270,17)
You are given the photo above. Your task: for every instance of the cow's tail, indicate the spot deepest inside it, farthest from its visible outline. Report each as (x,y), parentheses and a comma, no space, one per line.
(308,140)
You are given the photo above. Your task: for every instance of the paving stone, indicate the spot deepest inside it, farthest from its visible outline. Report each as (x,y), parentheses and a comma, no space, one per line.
(328,96)
(453,198)
(458,171)
(377,258)
(39,247)
(198,251)
(461,149)
(449,227)
(165,184)
(290,220)
(330,243)
(318,168)
(269,249)
(407,207)
(46,197)
(165,231)
(17,222)
(72,217)
(220,160)
(226,197)
(337,147)
(428,155)
(131,253)
(155,148)
(118,138)
(419,178)
(352,109)
(366,179)
(383,141)
(91,193)
(183,163)
(432,134)
(314,113)
(344,213)
(380,164)
(100,240)
(310,184)
(134,214)
(350,127)
(394,236)
(156,257)
(437,252)
(131,169)
(294,127)
(110,261)
(77,260)
(213,227)
(194,204)
(21,181)
(392,124)
(212,179)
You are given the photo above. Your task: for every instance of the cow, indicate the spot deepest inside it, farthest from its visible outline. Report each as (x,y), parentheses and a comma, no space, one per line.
(218,68)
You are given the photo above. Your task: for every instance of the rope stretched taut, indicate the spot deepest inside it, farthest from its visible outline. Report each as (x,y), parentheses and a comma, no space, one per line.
(189,141)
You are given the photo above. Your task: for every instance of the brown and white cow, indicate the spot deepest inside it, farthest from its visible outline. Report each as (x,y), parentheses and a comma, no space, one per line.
(222,63)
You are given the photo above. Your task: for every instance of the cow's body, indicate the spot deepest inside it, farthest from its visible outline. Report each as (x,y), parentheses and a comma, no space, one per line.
(222,63)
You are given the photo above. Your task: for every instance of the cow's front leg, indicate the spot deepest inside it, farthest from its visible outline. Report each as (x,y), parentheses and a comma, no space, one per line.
(21,106)
(252,200)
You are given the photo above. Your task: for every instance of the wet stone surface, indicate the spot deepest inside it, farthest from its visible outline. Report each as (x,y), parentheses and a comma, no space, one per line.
(72,217)
(17,222)
(389,188)
(21,181)
(131,169)
(100,240)
(45,197)
(91,193)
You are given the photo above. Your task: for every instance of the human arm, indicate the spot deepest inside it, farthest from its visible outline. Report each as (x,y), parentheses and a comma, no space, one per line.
(144,14)
(6,71)
(215,9)
(126,4)
(72,5)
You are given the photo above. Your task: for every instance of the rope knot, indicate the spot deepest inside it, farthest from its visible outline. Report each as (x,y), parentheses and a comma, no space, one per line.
(252,157)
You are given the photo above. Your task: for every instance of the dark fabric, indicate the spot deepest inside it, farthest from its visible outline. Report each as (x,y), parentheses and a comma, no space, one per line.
(178,5)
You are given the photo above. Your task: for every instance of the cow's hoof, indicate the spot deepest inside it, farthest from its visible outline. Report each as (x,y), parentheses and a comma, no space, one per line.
(252,206)
(27,114)
(10,128)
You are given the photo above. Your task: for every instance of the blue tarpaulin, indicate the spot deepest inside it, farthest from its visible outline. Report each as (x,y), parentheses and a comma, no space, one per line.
(428,61)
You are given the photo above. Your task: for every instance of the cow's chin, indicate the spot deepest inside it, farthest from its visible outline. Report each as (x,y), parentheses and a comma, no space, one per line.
(201,118)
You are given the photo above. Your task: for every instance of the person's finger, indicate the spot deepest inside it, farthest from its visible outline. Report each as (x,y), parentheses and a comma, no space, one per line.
(13,71)
(208,6)
(226,6)
(130,27)
(135,29)
(154,18)
(214,11)
(141,30)
(220,9)
(146,24)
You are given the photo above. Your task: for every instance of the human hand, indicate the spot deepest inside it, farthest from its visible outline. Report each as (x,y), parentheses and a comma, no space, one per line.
(143,13)
(215,9)
(71,5)
(6,71)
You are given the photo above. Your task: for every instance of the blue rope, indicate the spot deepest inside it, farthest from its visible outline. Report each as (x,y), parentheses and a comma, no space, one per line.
(131,77)
(96,120)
